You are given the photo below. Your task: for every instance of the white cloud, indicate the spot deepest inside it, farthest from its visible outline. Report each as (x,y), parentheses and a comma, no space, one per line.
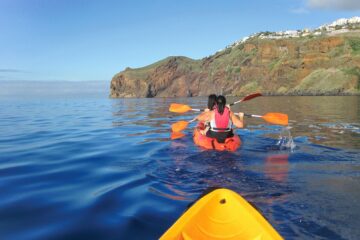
(335,4)
(300,10)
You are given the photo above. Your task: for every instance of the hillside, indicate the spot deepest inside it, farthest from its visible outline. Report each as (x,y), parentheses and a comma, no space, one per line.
(324,61)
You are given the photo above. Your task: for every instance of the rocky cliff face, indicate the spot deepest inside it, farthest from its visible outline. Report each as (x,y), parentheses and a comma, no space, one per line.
(172,76)
(327,64)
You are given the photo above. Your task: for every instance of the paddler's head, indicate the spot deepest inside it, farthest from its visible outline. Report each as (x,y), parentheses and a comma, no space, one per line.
(211,101)
(221,102)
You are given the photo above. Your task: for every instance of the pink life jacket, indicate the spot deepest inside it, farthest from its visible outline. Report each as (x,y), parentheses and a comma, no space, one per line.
(222,121)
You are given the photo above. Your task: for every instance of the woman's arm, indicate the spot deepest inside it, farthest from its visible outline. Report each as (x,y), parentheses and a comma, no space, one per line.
(204,117)
(238,122)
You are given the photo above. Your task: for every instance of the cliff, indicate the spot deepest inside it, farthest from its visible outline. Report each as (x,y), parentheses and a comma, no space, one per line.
(325,61)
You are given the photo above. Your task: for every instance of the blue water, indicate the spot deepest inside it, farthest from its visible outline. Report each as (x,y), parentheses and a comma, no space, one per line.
(99,168)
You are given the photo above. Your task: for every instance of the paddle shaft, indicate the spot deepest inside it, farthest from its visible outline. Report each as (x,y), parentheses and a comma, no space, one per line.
(249,115)
(192,120)
(252,115)
(232,104)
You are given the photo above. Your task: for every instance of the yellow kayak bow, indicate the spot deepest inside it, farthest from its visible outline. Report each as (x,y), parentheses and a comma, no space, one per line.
(221,214)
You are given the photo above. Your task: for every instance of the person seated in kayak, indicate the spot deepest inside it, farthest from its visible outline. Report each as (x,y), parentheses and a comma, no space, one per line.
(221,120)
(211,103)
(210,106)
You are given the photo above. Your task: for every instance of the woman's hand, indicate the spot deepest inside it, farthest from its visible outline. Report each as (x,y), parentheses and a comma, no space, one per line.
(228,106)
(237,121)
(241,116)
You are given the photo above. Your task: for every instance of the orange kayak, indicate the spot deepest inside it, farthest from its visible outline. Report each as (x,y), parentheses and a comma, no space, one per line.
(231,144)
(219,215)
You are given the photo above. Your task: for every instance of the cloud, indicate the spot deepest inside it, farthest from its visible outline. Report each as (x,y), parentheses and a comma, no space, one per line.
(347,5)
(300,10)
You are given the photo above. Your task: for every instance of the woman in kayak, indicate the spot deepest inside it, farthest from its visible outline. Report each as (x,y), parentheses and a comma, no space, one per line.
(210,106)
(211,102)
(221,120)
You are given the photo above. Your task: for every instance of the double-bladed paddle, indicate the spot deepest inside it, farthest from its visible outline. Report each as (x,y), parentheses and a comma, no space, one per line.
(274,118)
(183,108)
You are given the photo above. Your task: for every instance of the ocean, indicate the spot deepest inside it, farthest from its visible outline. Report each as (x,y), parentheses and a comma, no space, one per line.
(78,165)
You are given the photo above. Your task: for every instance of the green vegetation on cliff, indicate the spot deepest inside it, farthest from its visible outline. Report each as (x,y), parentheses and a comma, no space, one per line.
(355,45)
(326,81)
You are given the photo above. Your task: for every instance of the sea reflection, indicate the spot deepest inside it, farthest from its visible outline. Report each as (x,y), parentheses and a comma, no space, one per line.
(277,167)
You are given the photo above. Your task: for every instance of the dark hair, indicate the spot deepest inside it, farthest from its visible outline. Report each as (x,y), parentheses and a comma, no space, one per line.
(221,102)
(211,101)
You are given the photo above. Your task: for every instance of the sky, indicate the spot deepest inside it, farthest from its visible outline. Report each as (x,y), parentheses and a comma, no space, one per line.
(87,40)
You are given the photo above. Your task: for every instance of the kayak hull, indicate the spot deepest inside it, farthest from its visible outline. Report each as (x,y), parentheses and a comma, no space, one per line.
(221,215)
(231,144)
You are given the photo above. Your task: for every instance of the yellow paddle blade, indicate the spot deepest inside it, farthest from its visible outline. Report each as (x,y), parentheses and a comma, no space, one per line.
(179,108)
(179,126)
(176,135)
(276,118)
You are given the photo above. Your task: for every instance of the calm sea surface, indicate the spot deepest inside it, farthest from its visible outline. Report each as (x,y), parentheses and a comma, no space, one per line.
(98,168)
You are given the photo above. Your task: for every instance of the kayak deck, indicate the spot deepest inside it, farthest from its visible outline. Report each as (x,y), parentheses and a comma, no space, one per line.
(221,214)
(231,144)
